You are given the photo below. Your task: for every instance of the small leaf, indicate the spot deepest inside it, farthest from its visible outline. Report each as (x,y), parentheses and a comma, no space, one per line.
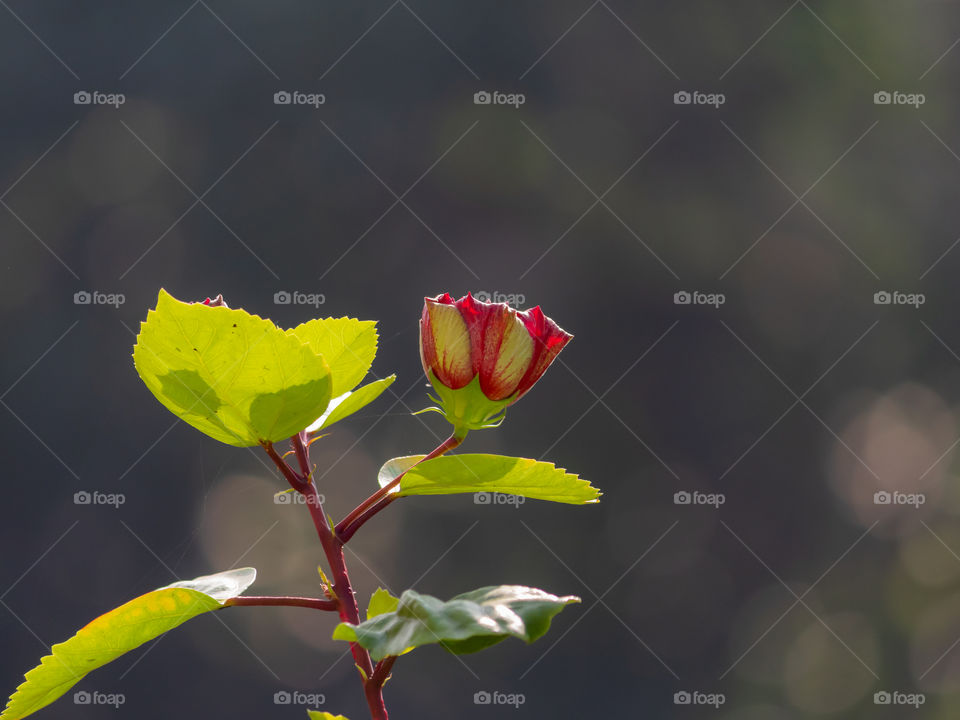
(232,375)
(348,403)
(381,602)
(489,473)
(466,623)
(392,468)
(317,715)
(119,631)
(349,347)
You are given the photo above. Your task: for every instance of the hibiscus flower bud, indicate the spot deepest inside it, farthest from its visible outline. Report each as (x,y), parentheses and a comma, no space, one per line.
(482,357)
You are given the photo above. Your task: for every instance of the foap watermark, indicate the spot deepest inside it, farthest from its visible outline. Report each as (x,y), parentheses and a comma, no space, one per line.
(495,697)
(95,297)
(896,97)
(495,97)
(695,697)
(884,497)
(496,498)
(294,297)
(95,97)
(695,297)
(296,97)
(684,497)
(292,497)
(114,700)
(895,297)
(695,97)
(495,296)
(285,697)
(895,697)
(95,497)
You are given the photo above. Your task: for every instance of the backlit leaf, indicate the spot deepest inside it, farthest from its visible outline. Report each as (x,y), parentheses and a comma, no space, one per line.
(119,631)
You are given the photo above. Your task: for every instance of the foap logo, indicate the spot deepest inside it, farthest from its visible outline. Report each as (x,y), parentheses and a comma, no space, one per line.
(684,497)
(695,97)
(95,497)
(114,700)
(695,297)
(495,498)
(695,697)
(294,297)
(285,697)
(95,97)
(883,497)
(896,97)
(895,297)
(95,297)
(495,697)
(296,97)
(511,299)
(496,97)
(896,697)
(291,497)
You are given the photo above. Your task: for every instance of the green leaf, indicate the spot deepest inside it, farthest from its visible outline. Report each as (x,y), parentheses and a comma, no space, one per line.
(466,623)
(488,473)
(348,403)
(381,602)
(119,631)
(232,375)
(317,715)
(347,345)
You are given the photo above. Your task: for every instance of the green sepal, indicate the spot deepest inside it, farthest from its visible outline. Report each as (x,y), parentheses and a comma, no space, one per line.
(468,408)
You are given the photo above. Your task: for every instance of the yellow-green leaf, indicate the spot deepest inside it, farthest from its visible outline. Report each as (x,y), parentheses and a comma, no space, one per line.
(348,346)
(234,376)
(350,402)
(381,602)
(482,473)
(119,631)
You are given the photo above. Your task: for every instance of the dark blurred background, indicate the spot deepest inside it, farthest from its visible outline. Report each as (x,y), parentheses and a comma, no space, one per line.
(782,198)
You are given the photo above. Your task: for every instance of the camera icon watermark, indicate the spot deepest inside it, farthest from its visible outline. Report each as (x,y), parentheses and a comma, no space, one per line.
(897,697)
(294,297)
(496,97)
(95,297)
(114,700)
(695,497)
(695,97)
(292,497)
(286,697)
(296,97)
(695,697)
(695,297)
(495,697)
(496,498)
(95,97)
(84,497)
(495,296)
(896,297)
(896,97)
(895,497)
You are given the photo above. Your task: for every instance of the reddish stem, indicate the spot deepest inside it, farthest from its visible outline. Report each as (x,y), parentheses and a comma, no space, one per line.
(333,549)
(385,495)
(381,673)
(283,601)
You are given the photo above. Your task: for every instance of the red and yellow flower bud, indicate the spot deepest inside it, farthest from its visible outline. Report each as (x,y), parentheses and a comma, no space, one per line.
(482,357)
